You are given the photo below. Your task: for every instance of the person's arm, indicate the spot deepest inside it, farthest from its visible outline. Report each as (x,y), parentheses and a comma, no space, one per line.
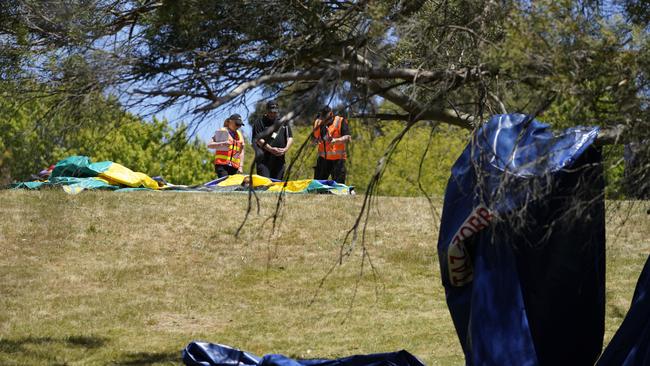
(258,128)
(289,143)
(215,145)
(289,140)
(273,150)
(241,159)
(260,143)
(345,139)
(345,133)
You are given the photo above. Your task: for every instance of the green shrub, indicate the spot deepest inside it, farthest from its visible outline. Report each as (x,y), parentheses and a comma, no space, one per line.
(401,175)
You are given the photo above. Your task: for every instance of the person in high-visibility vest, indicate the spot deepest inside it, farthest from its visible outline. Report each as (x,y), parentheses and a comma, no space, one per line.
(332,134)
(228,143)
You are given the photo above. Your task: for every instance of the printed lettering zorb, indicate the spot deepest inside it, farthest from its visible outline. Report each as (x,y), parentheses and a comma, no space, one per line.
(459,262)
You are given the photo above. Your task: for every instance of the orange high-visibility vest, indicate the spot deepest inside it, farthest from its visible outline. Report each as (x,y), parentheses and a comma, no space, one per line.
(326,149)
(230,155)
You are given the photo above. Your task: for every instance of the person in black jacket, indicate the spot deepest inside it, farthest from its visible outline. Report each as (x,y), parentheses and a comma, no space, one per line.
(271,141)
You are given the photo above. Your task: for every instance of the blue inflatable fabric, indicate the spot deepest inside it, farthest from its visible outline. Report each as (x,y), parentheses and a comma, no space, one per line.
(208,354)
(522,245)
(630,346)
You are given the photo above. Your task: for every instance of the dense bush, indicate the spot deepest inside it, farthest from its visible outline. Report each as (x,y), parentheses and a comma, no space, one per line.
(401,176)
(33,138)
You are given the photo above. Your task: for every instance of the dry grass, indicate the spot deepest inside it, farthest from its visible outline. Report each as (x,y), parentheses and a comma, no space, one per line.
(131,278)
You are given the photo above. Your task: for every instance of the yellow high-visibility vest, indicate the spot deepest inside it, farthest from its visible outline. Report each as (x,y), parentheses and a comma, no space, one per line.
(230,155)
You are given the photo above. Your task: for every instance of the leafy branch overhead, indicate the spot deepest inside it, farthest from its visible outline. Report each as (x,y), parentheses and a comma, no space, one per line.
(451,61)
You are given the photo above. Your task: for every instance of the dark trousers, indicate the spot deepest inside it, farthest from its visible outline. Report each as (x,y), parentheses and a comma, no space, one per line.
(223,170)
(325,168)
(271,167)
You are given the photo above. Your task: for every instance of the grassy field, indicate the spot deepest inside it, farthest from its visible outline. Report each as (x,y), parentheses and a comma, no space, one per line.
(131,278)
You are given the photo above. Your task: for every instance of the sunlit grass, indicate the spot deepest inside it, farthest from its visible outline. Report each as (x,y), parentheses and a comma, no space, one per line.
(110,278)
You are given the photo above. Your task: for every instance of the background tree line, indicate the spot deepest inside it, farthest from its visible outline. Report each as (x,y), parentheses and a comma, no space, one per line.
(34,136)
(421,62)
(103,130)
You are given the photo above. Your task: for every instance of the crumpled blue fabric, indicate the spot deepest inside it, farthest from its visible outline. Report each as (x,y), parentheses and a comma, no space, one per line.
(522,245)
(630,346)
(209,354)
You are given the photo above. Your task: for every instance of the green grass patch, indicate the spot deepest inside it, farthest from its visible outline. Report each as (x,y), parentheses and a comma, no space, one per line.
(125,279)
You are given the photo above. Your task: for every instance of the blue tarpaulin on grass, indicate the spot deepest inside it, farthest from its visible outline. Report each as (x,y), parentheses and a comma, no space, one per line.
(209,354)
(522,245)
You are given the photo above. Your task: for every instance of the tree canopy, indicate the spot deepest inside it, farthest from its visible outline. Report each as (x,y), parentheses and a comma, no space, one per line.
(449,61)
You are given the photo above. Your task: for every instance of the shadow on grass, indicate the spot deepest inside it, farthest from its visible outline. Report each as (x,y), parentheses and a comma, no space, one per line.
(148,358)
(45,350)
(18,345)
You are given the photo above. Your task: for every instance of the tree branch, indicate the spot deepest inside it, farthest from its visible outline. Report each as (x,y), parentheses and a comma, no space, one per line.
(350,73)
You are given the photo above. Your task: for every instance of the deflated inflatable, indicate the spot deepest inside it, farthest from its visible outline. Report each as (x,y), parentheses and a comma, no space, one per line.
(241,182)
(630,346)
(77,173)
(209,354)
(522,245)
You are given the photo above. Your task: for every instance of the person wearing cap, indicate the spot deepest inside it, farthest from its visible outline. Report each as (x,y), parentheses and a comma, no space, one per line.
(271,141)
(228,143)
(331,133)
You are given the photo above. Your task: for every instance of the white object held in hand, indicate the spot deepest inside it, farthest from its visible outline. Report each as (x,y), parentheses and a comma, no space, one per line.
(221,137)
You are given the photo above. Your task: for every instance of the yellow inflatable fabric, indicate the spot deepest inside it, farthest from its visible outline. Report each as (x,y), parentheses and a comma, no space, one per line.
(259,181)
(292,186)
(118,173)
(238,179)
